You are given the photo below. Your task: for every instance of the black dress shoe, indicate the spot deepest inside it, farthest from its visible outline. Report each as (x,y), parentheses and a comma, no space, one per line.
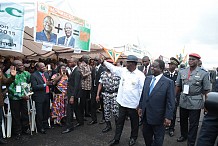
(78,125)
(181,139)
(3,141)
(42,131)
(171,133)
(48,127)
(67,130)
(27,132)
(92,122)
(132,141)
(113,142)
(106,129)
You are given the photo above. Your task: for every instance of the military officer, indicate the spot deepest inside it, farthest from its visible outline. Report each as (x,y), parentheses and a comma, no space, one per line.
(172,74)
(193,83)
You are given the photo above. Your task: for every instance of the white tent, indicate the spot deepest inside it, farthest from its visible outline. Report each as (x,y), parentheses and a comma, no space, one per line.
(32,49)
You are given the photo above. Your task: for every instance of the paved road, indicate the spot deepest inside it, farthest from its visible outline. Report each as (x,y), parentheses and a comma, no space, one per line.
(87,136)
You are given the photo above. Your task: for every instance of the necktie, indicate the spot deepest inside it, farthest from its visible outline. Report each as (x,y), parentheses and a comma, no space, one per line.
(145,71)
(66,42)
(152,85)
(46,88)
(171,75)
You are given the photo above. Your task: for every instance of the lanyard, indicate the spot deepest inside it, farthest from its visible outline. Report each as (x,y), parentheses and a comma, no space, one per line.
(189,73)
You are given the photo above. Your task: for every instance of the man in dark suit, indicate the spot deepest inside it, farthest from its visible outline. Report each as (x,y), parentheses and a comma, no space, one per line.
(40,85)
(73,94)
(67,40)
(172,74)
(146,66)
(96,74)
(156,104)
(46,34)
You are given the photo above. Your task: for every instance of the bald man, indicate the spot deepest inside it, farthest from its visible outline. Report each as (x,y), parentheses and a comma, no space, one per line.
(67,40)
(40,85)
(46,34)
(18,101)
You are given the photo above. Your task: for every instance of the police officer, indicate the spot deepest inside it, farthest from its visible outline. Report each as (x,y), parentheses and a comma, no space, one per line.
(193,83)
(172,74)
(108,86)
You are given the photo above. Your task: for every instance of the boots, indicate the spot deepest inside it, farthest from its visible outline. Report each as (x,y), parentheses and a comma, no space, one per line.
(108,127)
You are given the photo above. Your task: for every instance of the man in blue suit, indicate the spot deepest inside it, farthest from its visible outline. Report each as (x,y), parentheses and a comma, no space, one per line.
(67,40)
(156,104)
(46,34)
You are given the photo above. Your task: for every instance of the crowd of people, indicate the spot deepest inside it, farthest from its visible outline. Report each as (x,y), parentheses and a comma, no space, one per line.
(148,94)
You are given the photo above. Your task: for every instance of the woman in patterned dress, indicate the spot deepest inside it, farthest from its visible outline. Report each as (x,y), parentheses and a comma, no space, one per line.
(60,96)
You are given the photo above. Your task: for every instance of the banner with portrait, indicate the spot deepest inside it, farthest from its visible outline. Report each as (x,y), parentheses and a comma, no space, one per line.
(61,28)
(11,26)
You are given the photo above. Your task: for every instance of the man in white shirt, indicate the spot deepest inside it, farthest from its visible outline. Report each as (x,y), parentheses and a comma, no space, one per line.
(128,97)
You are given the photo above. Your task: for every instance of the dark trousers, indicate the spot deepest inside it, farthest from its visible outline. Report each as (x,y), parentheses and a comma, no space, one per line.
(153,134)
(85,96)
(19,112)
(209,131)
(42,112)
(70,109)
(172,125)
(93,104)
(134,118)
(191,132)
(1,116)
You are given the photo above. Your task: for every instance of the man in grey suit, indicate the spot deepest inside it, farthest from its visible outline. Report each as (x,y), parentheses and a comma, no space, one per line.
(67,40)
(156,104)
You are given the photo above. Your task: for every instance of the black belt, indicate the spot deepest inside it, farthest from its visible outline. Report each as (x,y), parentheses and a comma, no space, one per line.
(114,91)
(193,94)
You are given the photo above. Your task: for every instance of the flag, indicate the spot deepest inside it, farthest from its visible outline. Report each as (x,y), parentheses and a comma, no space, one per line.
(110,53)
(116,55)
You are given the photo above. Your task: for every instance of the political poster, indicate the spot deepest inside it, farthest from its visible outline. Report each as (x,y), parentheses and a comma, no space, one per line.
(61,28)
(132,49)
(11,26)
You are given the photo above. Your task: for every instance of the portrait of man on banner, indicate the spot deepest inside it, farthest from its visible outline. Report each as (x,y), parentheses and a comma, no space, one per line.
(61,28)
(6,41)
(11,26)
(46,34)
(68,39)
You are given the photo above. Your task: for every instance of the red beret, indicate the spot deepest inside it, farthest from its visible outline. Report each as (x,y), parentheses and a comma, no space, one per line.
(195,55)
(110,61)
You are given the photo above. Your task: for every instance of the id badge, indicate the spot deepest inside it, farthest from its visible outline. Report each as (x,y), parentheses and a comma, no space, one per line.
(186,89)
(18,89)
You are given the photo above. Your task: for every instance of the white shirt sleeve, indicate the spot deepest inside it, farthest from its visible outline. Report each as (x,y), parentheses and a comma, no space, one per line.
(114,69)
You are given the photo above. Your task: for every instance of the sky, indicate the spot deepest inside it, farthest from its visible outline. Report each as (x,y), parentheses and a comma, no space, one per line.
(161,27)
